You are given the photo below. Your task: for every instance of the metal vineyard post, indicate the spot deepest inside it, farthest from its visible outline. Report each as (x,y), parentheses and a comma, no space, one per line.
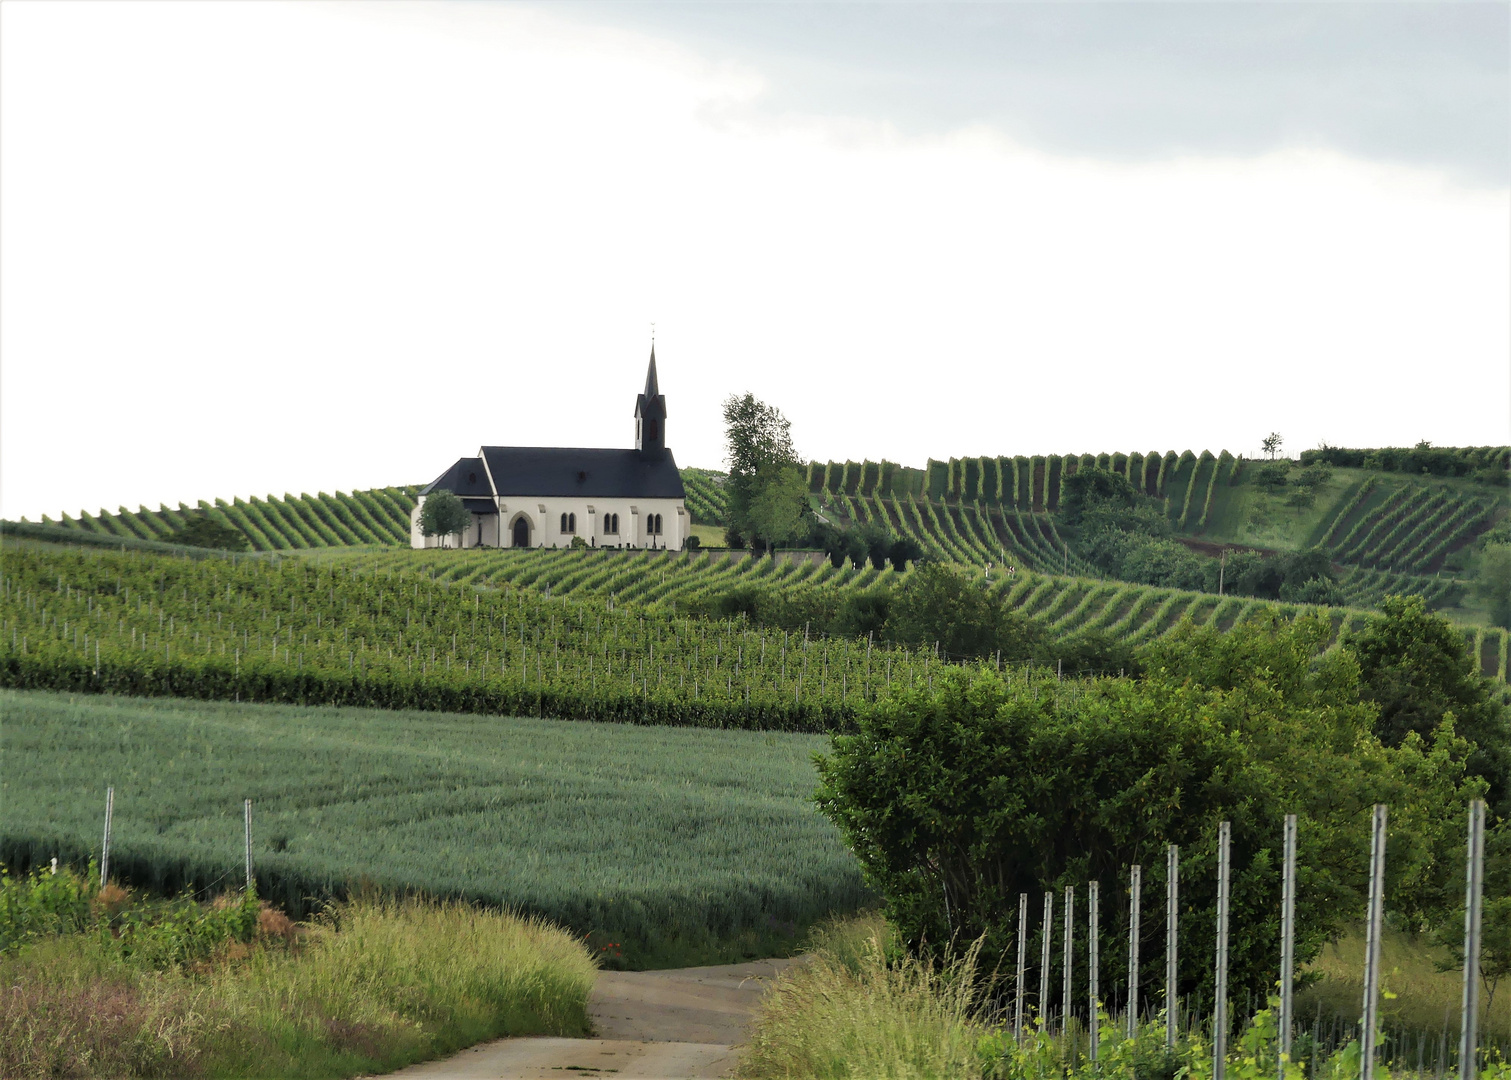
(1474,883)
(105,841)
(1022,956)
(1070,926)
(1049,929)
(1287,943)
(1093,898)
(1135,888)
(1220,996)
(247,814)
(1172,901)
(1373,927)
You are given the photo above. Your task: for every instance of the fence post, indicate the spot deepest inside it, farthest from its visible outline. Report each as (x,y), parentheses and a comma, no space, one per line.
(1372,930)
(1287,943)
(105,840)
(1049,930)
(1172,907)
(1070,925)
(247,812)
(1094,1026)
(1474,884)
(1135,888)
(1220,996)
(1022,956)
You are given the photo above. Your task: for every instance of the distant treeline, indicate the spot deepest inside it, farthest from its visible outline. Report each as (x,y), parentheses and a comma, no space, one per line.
(1485,463)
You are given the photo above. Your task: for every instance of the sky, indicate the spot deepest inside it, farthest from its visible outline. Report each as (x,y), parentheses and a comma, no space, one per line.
(252,248)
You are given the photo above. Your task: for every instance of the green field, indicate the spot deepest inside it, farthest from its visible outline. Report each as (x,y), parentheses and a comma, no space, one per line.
(678,844)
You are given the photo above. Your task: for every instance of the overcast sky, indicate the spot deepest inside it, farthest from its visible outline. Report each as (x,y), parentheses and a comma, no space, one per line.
(261,247)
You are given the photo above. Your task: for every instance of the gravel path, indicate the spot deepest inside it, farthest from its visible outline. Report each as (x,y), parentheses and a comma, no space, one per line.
(652,1025)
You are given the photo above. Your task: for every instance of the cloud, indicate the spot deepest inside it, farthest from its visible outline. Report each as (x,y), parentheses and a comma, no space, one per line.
(1427,85)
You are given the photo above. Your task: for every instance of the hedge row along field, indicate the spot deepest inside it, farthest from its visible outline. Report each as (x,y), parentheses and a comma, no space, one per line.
(672,844)
(377,516)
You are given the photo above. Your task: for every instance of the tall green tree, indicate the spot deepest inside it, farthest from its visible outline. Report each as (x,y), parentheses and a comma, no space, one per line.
(443,514)
(1416,667)
(765,489)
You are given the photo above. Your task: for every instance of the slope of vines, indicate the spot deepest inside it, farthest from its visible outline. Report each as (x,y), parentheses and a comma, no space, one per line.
(375,516)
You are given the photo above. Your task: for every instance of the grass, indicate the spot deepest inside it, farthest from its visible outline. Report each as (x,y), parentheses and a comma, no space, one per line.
(669,846)
(1426,999)
(369,986)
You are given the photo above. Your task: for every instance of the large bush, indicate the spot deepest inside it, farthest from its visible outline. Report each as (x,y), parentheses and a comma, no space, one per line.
(957,800)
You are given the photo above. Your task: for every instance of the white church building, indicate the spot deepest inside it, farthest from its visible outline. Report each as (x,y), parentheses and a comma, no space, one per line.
(540,497)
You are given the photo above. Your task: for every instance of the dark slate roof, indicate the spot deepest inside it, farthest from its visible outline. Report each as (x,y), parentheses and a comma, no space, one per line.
(466,477)
(590,474)
(651,404)
(480,506)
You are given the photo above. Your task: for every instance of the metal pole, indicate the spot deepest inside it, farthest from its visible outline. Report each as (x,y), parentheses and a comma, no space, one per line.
(247,809)
(1287,942)
(1070,926)
(1220,997)
(1022,956)
(105,840)
(1049,928)
(1135,888)
(1372,943)
(1172,907)
(1093,898)
(1474,884)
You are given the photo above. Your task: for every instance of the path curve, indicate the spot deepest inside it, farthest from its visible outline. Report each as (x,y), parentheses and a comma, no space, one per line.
(681,1024)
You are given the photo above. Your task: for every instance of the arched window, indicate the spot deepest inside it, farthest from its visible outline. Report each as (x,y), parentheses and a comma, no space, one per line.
(572,523)
(564,523)
(655,524)
(611,524)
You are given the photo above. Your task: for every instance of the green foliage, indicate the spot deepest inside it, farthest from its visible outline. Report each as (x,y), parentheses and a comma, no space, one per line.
(45,903)
(1094,487)
(758,445)
(203,531)
(903,550)
(1486,463)
(777,504)
(1414,666)
(443,514)
(957,800)
(683,845)
(941,607)
(1493,584)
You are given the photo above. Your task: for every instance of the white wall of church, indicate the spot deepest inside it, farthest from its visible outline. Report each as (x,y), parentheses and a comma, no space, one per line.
(542,519)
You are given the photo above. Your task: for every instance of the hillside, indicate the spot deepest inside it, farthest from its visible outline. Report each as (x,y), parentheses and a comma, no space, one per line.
(1389,526)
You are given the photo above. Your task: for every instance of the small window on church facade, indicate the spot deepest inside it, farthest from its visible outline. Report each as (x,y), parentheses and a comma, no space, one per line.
(572,523)
(611,524)
(653,522)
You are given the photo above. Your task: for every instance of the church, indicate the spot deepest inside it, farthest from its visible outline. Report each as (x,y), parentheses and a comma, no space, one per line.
(540,497)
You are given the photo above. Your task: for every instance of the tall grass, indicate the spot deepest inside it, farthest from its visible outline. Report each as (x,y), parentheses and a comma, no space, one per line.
(370,986)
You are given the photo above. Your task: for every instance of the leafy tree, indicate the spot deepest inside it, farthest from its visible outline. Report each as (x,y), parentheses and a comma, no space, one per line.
(734,538)
(1271,444)
(878,540)
(903,550)
(957,800)
(940,604)
(201,530)
(1093,487)
(443,514)
(778,501)
(865,612)
(1495,917)
(758,445)
(1415,667)
(1273,477)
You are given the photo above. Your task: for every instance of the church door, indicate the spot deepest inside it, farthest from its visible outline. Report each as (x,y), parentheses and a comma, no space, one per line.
(521,532)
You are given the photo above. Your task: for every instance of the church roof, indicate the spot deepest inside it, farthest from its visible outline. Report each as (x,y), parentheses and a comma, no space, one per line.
(651,404)
(466,477)
(559,472)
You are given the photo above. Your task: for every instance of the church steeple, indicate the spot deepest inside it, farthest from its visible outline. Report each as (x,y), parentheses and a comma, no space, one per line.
(650,413)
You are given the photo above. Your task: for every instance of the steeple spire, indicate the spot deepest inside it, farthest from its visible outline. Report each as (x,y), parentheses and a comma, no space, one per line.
(650,413)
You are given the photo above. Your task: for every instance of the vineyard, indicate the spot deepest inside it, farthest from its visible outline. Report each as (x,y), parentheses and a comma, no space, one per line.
(661,841)
(574,634)
(1410,528)
(378,516)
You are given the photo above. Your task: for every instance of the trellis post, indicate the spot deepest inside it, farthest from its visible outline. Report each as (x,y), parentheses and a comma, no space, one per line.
(1287,943)
(1022,956)
(1172,908)
(1135,888)
(1474,884)
(1070,926)
(105,840)
(246,807)
(1049,931)
(1093,902)
(1372,929)
(1220,994)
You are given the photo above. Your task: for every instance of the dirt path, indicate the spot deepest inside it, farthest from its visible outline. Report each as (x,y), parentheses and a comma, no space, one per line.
(652,1025)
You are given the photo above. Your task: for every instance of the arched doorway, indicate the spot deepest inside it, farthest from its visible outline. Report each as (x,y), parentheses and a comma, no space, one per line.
(521,536)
